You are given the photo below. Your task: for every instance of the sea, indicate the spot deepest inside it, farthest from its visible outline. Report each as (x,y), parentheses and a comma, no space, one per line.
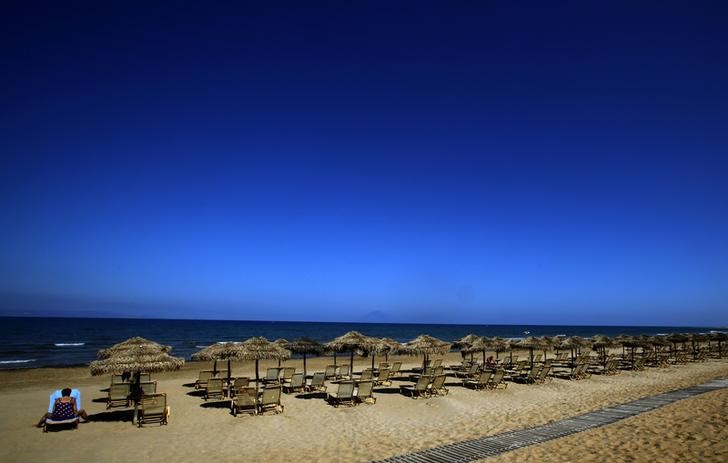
(32,342)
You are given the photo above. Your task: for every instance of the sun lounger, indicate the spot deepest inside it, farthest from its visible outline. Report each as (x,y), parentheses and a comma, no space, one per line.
(531,376)
(317,382)
(153,409)
(295,384)
(245,400)
(118,395)
(343,395)
(419,389)
(272,376)
(481,382)
(344,372)
(543,374)
(367,375)
(145,377)
(238,384)
(287,374)
(117,379)
(365,392)
(330,372)
(437,386)
(214,389)
(471,372)
(149,387)
(395,370)
(497,380)
(383,379)
(203,377)
(270,400)
(50,424)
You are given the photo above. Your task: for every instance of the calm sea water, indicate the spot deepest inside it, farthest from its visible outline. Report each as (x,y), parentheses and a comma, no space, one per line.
(40,342)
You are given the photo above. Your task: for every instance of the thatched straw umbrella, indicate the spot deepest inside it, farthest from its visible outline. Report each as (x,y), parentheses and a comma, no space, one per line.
(695,340)
(351,342)
(283,343)
(259,348)
(465,344)
(136,363)
(621,339)
(305,346)
(548,343)
(220,351)
(720,337)
(386,346)
(675,339)
(480,345)
(427,345)
(498,345)
(632,343)
(136,345)
(135,355)
(389,346)
(531,343)
(600,343)
(574,344)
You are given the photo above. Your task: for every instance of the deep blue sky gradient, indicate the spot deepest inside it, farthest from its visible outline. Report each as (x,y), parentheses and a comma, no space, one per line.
(484,162)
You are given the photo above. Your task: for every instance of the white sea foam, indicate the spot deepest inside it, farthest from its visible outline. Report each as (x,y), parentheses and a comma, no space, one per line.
(69,344)
(3,362)
(200,347)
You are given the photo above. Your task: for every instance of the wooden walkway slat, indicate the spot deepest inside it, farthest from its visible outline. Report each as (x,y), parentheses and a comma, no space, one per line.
(489,446)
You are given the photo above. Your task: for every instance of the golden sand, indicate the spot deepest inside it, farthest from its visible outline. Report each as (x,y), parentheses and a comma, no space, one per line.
(311,430)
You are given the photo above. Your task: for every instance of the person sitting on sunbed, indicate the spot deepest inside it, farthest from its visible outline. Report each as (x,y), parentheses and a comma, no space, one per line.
(64,408)
(490,363)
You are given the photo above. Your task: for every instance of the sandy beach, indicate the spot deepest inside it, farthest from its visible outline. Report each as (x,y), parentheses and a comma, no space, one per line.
(312,430)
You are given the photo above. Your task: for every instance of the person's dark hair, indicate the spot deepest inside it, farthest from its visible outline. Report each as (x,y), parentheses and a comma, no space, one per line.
(66,392)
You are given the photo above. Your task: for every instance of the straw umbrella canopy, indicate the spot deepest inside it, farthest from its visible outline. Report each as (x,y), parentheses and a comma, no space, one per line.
(465,343)
(480,345)
(351,342)
(220,351)
(498,345)
(283,343)
(135,356)
(134,346)
(136,363)
(720,337)
(600,343)
(531,343)
(574,344)
(675,339)
(695,340)
(386,346)
(305,346)
(659,342)
(258,348)
(427,345)
(548,343)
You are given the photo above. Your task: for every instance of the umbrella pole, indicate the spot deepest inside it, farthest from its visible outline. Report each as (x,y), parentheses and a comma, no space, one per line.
(135,393)
(304,366)
(351,365)
(257,376)
(372,360)
(334,358)
(229,374)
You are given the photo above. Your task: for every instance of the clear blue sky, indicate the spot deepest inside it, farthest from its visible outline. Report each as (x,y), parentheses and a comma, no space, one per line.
(485,162)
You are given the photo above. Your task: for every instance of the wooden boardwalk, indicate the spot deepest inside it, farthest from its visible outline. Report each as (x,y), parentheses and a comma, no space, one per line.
(489,446)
